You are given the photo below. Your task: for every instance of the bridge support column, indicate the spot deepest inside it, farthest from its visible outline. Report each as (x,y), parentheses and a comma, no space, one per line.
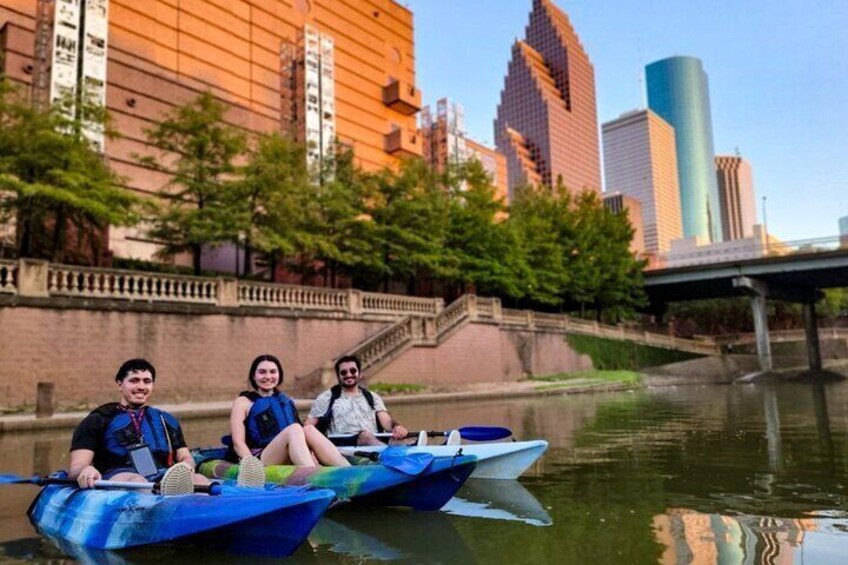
(812,333)
(758,290)
(758,304)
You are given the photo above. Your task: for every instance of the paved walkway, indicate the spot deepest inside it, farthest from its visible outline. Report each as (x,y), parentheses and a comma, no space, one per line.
(68,420)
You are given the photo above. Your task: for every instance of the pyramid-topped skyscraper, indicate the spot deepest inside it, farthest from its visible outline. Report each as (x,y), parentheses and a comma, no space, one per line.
(547,123)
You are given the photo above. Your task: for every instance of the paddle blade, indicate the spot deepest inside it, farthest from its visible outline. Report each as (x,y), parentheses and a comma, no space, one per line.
(484,433)
(9,479)
(399,459)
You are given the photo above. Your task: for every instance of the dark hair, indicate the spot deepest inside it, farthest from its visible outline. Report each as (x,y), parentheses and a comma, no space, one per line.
(253,366)
(348,359)
(134,366)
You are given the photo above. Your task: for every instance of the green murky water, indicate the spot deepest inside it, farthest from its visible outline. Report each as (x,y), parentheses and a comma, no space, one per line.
(712,474)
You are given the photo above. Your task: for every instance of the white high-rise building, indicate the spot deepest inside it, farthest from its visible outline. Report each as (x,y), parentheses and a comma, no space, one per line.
(308,89)
(640,161)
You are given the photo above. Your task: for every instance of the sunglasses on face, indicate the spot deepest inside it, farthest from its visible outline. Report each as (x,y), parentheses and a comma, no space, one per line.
(346,372)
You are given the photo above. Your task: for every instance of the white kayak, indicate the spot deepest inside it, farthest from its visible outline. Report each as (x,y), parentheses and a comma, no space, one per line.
(496,460)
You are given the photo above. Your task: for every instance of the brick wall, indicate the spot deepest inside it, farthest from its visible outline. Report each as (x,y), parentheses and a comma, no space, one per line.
(480,352)
(205,356)
(197,357)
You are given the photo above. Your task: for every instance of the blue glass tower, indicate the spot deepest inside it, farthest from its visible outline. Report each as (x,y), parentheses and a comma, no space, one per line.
(678,91)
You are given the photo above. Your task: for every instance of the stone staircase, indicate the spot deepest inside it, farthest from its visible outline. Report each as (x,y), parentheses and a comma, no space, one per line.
(411,331)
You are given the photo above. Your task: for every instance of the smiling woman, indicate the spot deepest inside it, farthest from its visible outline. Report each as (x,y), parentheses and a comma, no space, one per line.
(264,424)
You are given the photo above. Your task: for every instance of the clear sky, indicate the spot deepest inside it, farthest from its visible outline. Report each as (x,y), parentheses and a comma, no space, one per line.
(778,73)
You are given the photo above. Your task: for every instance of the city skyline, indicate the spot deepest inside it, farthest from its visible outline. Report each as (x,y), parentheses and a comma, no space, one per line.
(776,97)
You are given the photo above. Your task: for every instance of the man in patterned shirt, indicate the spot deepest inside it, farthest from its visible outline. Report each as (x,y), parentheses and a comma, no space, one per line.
(348,408)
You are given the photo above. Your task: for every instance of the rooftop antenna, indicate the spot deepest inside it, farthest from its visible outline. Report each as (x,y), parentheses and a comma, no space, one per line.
(738,153)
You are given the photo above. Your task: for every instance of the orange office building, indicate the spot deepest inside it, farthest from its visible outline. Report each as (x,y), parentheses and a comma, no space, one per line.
(324,70)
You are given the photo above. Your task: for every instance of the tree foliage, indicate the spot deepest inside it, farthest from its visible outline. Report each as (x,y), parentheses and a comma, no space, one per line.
(198,151)
(55,184)
(272,203)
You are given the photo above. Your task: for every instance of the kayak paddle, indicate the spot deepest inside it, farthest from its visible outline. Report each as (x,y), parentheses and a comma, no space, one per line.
(398,459)
(8,479)
(472,433)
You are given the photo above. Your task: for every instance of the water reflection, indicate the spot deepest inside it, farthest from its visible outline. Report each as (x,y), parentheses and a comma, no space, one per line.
(377,534)
(498,500)
(703,474)
(689,536)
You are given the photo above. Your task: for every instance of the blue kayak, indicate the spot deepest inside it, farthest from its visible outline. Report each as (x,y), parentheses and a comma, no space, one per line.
(243,520)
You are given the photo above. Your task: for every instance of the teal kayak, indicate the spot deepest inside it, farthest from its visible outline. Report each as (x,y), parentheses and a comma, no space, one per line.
(368,483)
(242,520)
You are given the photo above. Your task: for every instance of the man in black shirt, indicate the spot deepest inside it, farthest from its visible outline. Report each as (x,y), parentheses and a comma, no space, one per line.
(129,440)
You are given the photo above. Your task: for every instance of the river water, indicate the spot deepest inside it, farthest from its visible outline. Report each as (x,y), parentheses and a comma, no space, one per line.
(703,474)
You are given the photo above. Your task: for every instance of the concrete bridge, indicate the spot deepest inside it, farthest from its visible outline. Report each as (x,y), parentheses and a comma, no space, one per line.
(798,277)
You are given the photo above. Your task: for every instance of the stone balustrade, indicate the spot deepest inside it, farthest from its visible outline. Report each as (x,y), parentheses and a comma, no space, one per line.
(387,342)
(40,279)
(776,336)
(395,304)
(8,277)
(293,297)
(86,282)
(453,314)
(567,324)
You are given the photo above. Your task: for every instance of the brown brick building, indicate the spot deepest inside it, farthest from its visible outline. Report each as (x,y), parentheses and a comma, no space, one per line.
(446,143)
(161,53)
(547,123)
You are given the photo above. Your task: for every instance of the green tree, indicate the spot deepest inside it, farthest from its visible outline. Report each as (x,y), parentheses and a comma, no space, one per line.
(56,184)
(273,203)
(198,150)
(342,228)
(483,246)
(410,214)
(537,218)
(607,274)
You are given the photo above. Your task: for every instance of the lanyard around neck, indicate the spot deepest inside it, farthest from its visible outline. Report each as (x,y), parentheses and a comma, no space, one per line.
(136,418)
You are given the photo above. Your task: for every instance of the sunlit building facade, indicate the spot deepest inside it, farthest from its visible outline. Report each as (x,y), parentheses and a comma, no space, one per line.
(640,160)
(321,70)
(678,91)
(736,197)
(547,125)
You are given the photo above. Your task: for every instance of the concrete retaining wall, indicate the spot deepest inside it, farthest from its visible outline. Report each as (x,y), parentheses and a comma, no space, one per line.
(481,352)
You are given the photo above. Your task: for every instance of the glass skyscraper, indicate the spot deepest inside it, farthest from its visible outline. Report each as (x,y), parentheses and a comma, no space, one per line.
(679,93)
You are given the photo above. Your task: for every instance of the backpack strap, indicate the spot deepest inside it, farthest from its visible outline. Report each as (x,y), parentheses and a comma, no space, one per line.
(370,398)
(323,423)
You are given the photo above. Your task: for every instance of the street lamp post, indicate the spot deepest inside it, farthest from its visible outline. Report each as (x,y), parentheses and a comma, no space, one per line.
(765,224)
